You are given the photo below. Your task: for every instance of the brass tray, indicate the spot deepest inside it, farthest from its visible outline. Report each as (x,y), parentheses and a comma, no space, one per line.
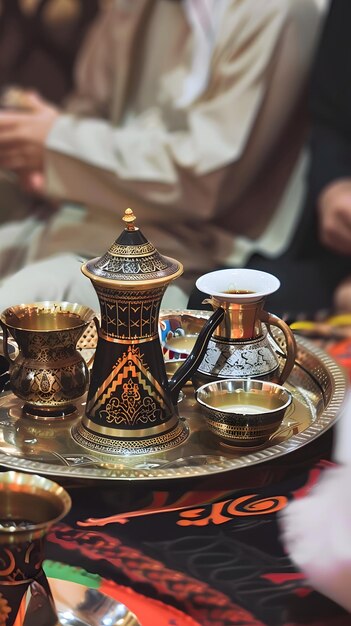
(317,383)
(77,605)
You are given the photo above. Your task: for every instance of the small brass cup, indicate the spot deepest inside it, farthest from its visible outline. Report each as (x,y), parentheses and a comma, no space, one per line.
(243,412)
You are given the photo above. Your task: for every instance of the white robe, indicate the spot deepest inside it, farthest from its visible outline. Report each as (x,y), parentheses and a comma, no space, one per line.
(210,182)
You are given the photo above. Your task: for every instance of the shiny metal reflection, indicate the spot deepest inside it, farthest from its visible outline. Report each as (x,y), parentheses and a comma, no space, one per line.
(78,605)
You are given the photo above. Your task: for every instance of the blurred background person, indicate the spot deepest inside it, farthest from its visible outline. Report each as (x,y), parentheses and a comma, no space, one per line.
(315,269)
(330,176)
(39,41)
(190,113)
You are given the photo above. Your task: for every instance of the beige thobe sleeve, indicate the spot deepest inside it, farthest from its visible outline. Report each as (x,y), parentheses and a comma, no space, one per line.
(90,161)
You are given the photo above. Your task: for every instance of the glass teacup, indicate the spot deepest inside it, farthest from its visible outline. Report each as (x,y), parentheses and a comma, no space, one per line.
(29,506)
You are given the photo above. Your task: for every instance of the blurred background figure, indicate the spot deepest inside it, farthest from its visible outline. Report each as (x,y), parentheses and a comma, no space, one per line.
(320,250)
(330,176)
(193,114)
(39,41)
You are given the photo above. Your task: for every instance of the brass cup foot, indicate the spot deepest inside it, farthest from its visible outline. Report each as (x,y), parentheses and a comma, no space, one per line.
(46,413)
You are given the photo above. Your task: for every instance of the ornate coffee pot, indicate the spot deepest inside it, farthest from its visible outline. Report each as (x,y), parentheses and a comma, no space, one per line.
(131,407)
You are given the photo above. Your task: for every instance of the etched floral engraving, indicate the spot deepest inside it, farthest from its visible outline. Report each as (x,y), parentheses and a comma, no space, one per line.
(238,360)
(130,409)
(130,395)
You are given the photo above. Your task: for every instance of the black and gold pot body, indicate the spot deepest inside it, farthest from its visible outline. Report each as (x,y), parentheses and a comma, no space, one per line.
(129,408)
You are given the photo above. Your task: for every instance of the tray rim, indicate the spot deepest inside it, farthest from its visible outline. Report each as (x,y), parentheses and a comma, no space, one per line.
(324,421)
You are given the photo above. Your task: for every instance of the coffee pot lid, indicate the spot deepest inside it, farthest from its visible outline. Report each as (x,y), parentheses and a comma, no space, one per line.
(132,258)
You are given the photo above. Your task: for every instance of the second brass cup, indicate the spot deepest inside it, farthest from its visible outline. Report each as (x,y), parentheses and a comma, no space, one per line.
(48,373)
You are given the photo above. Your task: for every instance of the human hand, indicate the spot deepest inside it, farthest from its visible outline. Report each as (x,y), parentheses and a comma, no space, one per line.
(23,135)
(342,296)
(334,207)
(32,182)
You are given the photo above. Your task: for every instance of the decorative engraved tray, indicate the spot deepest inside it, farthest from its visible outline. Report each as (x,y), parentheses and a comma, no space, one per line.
(317,383)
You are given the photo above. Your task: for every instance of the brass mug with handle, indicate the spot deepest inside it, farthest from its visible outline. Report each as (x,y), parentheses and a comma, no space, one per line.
(48,372)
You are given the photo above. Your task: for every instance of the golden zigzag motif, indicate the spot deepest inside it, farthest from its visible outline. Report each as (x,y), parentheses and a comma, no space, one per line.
(123,371)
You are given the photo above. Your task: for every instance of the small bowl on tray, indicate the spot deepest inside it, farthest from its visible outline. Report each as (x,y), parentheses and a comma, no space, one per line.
(244,412)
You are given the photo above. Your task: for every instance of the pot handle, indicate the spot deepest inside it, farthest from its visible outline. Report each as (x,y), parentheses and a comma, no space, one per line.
(290,342)
(195,357)
(5,343)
